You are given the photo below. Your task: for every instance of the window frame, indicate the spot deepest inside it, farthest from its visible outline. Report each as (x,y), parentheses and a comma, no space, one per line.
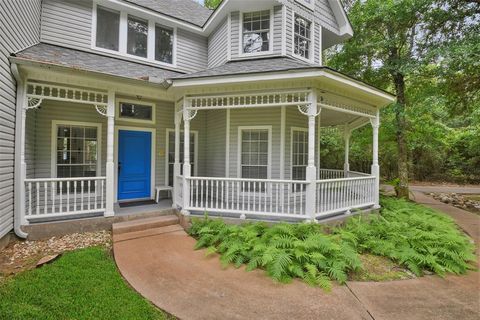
(312,37)
(240,36)
(167,151)
(118,117)
(54,138)
(292,130)
(123,35)
(239,149)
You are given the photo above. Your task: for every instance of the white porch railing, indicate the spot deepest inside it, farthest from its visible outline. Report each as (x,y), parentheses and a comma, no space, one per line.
(278,198)
(341,195)
(57,197)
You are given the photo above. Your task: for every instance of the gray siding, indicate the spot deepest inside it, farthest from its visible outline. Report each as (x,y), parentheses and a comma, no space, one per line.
(235,34)
(324,14)
(217,45)
(67,23)
(192,51)
(277,29)
(216,123)
(19,28)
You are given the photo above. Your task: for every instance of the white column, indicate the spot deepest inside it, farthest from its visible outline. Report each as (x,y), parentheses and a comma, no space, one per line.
(176,165)
(110,166)
(346,135)
(186,161)
(375,167)
(311,172)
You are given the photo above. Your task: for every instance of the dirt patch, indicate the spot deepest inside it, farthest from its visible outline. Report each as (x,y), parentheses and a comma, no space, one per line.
(469,202)
(376,268)
(23,255)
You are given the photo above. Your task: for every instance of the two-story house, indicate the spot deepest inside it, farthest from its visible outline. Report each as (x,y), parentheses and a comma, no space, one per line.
(105,103)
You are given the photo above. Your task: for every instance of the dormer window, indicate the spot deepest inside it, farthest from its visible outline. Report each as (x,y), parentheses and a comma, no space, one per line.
(256,32)
(135,36)
(108,26)
(302,37)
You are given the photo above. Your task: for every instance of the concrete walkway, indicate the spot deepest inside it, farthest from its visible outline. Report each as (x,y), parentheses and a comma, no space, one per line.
(185,283)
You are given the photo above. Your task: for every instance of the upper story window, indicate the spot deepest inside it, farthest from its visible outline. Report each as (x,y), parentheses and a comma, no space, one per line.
(302,37)
(137,37)
(256,31)
(108,26)
(133,36)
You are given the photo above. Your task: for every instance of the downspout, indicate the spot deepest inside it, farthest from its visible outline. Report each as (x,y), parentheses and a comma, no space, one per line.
(18,171)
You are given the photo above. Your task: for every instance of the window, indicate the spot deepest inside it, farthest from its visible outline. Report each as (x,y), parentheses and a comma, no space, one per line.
(137,36)
(108,26)
(299,153)
(256,31)
(307,3)
(163,44)
(171,154)
(254,153)
(133,111)
(77,150)
(302,38)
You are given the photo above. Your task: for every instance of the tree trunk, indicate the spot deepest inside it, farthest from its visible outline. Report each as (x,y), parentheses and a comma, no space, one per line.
(401,124)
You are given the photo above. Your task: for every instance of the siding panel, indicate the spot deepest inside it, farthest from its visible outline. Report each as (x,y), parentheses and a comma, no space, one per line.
(217,45)
(191,51)
(19,28)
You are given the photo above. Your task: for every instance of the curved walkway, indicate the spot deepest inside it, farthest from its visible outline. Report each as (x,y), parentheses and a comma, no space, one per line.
(185,283)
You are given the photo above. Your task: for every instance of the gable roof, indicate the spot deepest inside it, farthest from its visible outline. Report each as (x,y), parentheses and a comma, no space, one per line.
(186,10)
(86,61)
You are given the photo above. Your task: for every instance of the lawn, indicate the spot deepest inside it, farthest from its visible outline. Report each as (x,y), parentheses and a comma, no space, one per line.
(83,284)
(404,234)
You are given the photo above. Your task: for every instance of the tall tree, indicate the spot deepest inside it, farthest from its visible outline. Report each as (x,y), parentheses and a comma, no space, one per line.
(212,4)
(393,40)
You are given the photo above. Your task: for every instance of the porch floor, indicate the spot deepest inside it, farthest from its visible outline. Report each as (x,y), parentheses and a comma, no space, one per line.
(162,205)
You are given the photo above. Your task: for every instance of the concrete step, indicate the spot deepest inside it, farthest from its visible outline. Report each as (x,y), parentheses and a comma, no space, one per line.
(144,224)
(147,233)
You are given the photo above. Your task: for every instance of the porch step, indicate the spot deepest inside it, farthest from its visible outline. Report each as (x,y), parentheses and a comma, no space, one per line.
(144,224)
(146,233)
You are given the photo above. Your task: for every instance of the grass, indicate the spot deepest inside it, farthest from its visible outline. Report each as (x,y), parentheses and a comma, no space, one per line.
(415,237)
(83,284)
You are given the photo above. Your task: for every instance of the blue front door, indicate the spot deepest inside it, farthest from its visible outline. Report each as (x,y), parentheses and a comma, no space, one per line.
(134,164)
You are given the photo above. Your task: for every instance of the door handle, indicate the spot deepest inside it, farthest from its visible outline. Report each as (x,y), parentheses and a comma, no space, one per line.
(119,167)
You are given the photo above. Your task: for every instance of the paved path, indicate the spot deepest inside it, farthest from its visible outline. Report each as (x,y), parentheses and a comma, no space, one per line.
(440,188)
(185,283)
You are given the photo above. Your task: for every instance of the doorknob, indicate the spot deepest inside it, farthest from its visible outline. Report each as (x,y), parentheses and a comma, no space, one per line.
(119,167)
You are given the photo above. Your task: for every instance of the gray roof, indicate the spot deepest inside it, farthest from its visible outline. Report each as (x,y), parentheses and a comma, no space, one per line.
(186,10)
(87,61)
(251,66)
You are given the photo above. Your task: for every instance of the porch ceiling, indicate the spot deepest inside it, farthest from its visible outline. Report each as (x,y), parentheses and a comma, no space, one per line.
(331,118)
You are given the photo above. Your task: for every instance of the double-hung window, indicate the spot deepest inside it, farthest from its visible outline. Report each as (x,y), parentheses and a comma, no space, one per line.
(302,37)
(163,44)
(171,154)
(299,146)
(137,36)
(255,147)
(256,31)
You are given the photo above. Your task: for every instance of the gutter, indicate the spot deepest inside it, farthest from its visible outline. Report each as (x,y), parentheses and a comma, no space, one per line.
(18,172)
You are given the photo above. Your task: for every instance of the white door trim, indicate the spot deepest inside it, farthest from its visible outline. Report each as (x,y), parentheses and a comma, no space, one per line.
(153,131)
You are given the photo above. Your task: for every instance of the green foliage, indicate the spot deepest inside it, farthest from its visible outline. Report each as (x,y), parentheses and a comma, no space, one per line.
(412,235)
(285,251)
(212,4)
(83,284)
(415,236)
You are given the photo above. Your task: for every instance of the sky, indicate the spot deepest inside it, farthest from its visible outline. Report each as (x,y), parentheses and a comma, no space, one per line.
(200,1)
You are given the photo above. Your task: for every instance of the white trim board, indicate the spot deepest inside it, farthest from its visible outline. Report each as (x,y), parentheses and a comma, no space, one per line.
(153,131)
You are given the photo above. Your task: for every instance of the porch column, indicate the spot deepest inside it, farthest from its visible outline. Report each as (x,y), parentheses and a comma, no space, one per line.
(311,171)
(375,122)
(186,159)
(176,166)
(110,166)
(346,136)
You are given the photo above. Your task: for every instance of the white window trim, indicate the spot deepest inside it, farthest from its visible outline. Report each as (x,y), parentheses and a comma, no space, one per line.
(239,148)
(122,41)
(54,133)
(312,38)
(292,129)
(153,131)
(167,150)
(310,6)
(140,102)
(240,37)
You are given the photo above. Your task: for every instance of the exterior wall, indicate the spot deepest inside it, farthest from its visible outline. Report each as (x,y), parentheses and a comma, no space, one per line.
(216,124)
(293,119)
(217,45)
(68,23)
(19,28)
